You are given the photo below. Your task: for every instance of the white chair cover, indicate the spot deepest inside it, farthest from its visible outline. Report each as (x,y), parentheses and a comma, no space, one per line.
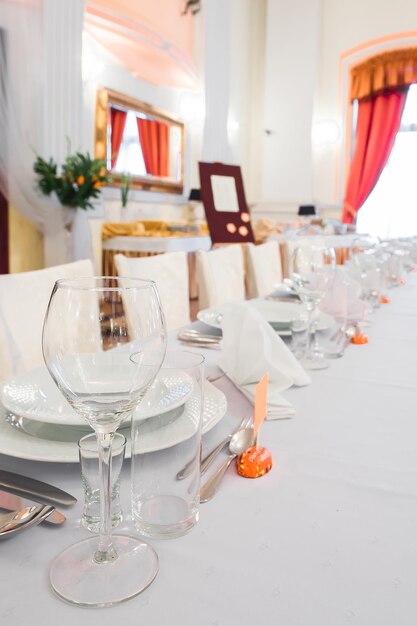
(220,276)
(170,272)
(264,268)
(24,299)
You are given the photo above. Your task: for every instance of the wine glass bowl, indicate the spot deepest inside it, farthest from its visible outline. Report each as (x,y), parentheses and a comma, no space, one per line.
(312,269)
(93,328)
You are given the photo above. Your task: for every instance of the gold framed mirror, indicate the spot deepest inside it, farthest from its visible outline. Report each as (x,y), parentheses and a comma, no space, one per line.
(137,139)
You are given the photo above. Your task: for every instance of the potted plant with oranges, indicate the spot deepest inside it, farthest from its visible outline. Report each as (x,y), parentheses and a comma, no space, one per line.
(79,181)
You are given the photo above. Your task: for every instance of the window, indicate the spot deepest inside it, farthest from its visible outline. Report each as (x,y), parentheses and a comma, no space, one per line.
(391,208)
(130,157)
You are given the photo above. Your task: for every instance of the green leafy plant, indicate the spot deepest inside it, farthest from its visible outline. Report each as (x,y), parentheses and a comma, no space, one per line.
(125,188)
(79,180)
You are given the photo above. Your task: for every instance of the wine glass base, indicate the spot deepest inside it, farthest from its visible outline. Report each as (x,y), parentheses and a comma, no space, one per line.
(77,578)
(314,363)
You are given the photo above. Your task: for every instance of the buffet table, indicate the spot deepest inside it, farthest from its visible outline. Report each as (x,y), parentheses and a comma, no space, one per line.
(328,537)
(148,246)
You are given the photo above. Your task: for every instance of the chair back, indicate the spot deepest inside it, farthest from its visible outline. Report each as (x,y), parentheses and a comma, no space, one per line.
(220,275)
(170,273)
(263,267)
(24,298)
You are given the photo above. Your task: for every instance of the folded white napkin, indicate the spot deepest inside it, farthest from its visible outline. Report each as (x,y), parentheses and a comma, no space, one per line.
(342,300)
(250,348)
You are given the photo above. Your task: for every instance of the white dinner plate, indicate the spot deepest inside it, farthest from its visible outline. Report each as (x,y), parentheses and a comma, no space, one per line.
(278,314)
(22,446)
(35,396)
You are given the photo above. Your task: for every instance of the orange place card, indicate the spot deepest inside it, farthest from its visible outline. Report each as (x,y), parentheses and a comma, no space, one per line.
(260,409)
(254,462)
(385,300)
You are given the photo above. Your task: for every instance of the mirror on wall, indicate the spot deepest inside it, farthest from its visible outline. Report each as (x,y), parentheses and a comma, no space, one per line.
(137,139)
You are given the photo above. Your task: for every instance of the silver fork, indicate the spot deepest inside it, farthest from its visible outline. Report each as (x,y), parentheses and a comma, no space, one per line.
(208,460)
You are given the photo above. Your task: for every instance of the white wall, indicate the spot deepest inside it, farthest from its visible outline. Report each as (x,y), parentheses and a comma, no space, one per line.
(292,52)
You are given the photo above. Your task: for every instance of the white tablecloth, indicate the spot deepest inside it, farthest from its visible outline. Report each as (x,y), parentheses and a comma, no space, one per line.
(158,244)
(327,538)
(332,241)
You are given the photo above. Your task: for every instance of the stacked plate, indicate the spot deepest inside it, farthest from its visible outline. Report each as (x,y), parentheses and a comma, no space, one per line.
(39,424)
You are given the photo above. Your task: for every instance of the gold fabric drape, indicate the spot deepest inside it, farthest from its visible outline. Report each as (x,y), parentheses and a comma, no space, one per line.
(387,71)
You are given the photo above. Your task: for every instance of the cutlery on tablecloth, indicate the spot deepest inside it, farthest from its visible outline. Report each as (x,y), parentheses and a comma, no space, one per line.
(11,502)
(208,460)
(193,336)
(36,489)
(240,442)
(12,523)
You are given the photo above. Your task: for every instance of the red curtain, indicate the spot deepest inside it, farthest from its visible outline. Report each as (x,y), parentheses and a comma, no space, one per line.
(154,139)
(118,121)
(378,123)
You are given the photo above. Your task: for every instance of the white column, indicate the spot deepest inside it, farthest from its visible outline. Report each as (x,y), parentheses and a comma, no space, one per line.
(62,101)
(62,29)
(217,80)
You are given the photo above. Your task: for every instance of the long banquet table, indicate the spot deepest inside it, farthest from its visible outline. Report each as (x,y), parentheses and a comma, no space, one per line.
(327,538)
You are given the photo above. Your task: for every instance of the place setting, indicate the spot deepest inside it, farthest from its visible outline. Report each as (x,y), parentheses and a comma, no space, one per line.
(125,380)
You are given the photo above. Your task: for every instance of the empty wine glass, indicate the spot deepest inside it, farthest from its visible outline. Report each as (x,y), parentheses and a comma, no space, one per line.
(312,269)
(92,328)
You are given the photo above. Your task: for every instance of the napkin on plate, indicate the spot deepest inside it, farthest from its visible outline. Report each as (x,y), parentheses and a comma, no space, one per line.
(250,347)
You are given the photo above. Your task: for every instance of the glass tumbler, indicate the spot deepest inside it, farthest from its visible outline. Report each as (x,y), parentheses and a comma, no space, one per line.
(298,328)
(166,475)
(88,452)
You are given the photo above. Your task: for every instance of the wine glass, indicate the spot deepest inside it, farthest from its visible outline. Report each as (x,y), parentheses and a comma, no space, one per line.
(93,327)
(312,269)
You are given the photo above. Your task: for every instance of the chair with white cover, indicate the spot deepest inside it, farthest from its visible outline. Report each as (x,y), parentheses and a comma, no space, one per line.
(170,273)
(264,268)
(220,275)
(24,298)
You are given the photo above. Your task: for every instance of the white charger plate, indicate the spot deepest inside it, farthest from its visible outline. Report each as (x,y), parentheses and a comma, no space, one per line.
(278,314)
(22,446)
(35,396)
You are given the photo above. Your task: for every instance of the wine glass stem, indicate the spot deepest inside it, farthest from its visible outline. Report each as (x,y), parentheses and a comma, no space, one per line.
(310,311)
(105,552)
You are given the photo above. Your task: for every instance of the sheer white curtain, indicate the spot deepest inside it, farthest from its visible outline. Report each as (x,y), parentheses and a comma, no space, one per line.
(26,64)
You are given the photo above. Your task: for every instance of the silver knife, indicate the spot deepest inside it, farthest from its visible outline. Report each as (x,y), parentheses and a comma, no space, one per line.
(25,486)
(10,502)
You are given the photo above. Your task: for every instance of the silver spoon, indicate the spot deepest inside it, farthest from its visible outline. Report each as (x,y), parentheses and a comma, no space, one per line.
(348,334)
(240,442)
(12,523)
(208,460)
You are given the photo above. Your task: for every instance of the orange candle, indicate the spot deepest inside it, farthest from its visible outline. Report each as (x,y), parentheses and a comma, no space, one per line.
(359,339)
(254,462)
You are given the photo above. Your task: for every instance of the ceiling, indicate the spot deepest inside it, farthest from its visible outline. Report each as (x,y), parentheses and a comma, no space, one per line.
(152,39)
